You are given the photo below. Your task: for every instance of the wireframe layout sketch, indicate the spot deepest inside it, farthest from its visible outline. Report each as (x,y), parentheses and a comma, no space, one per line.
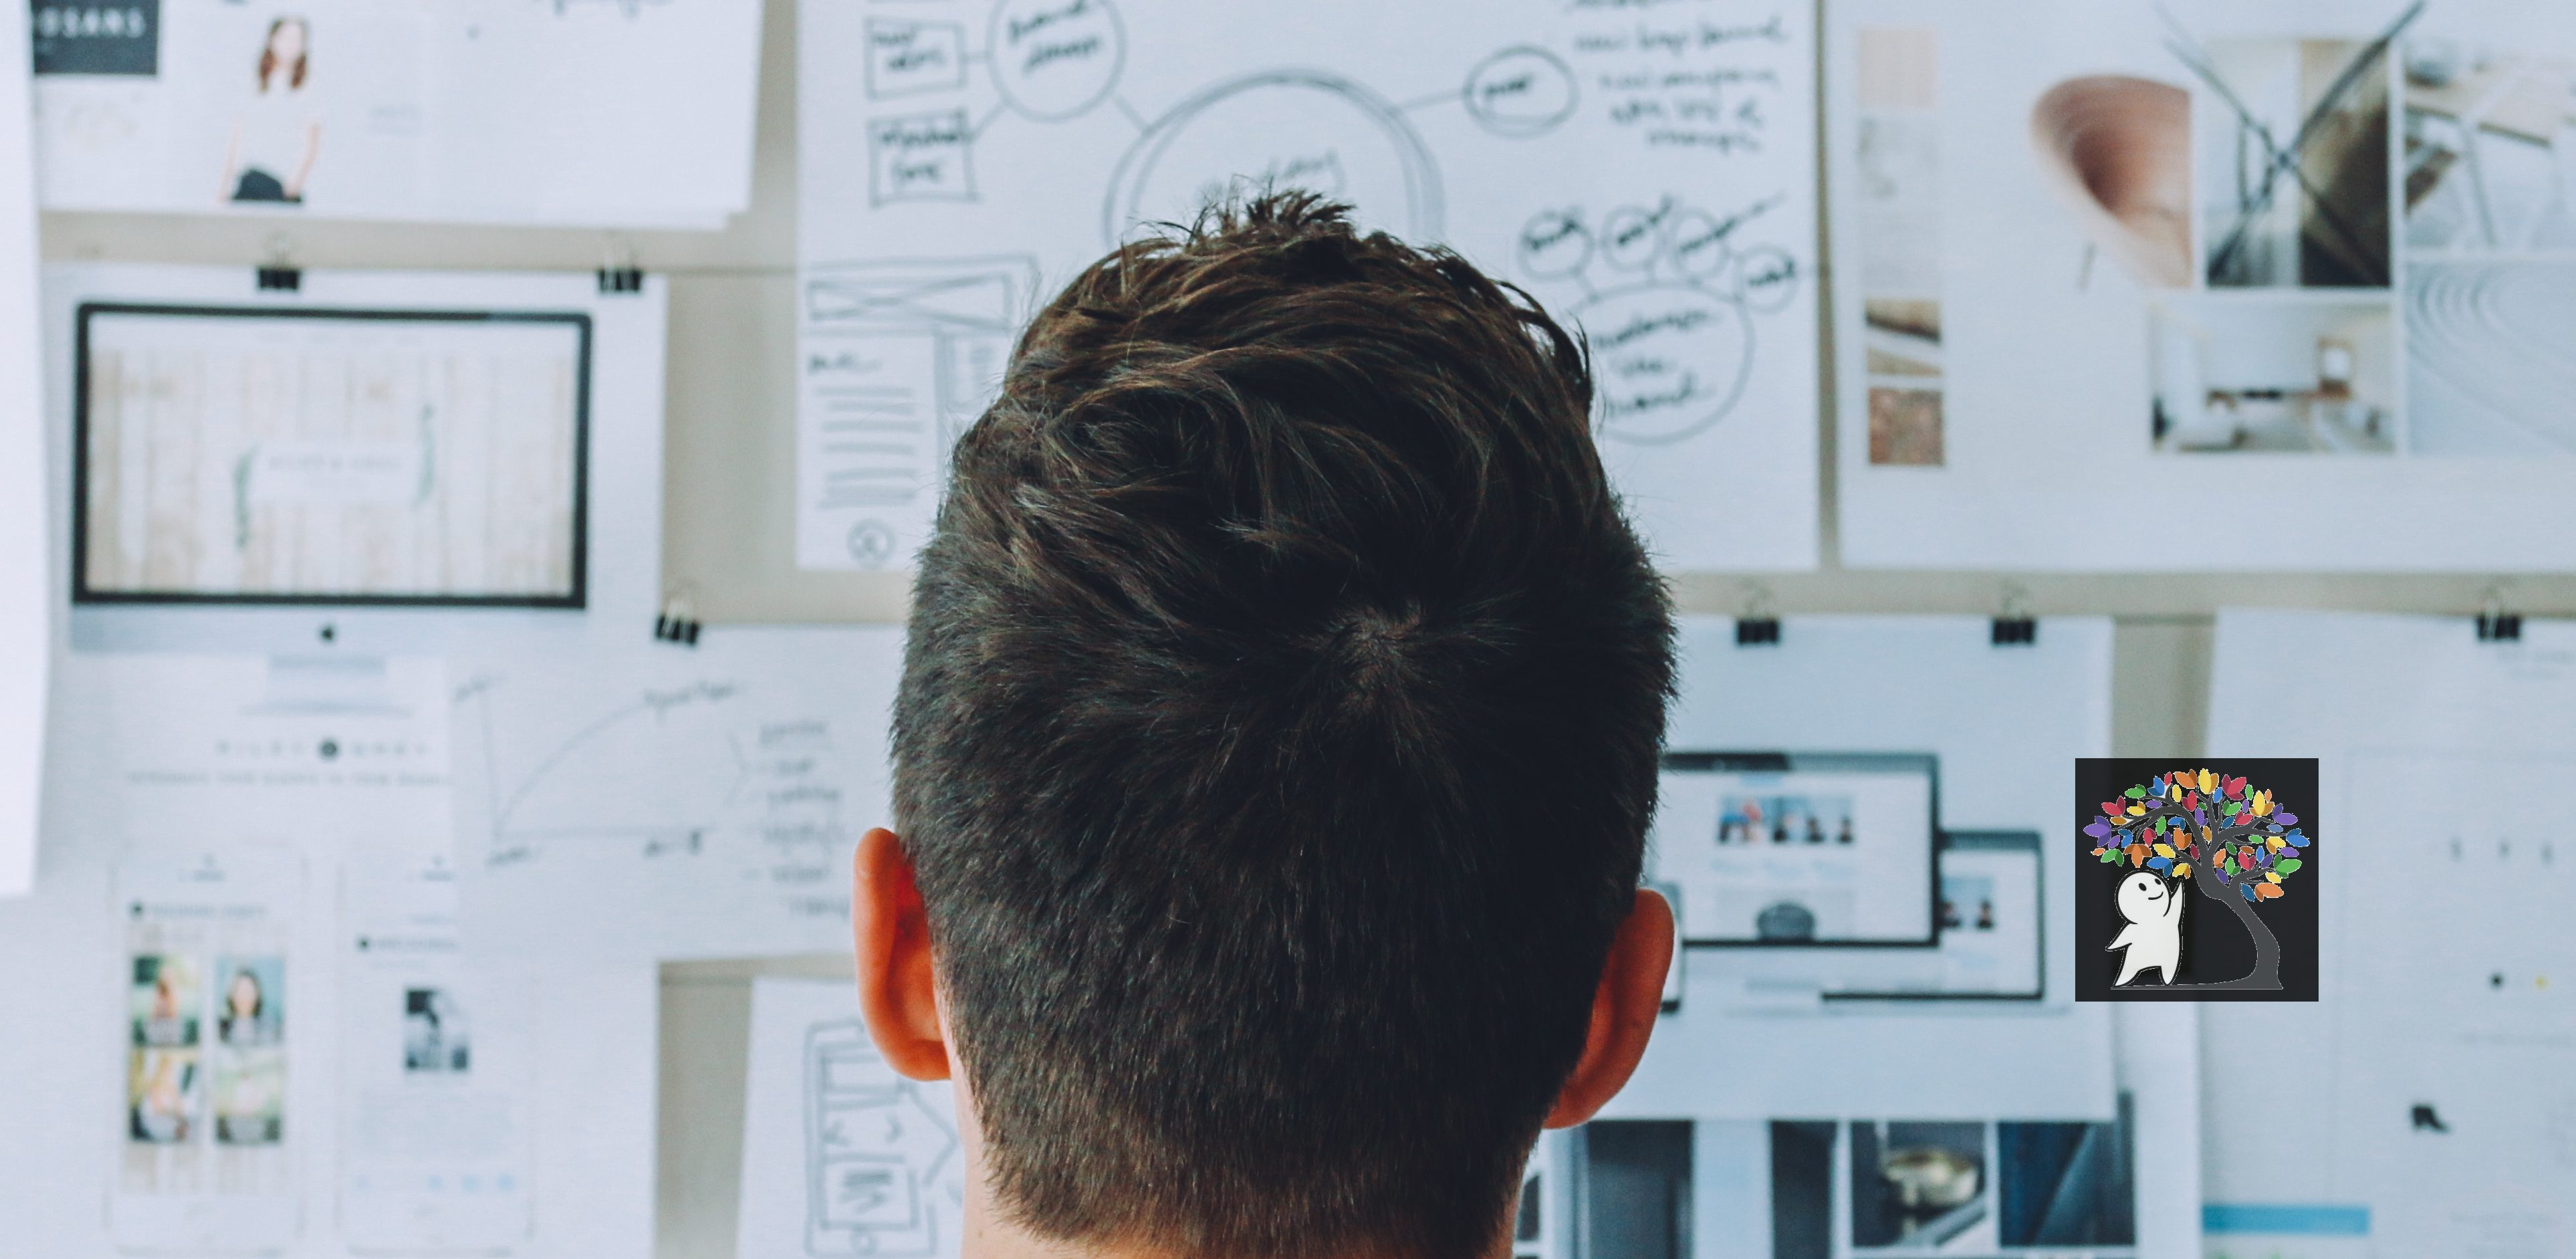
(249,454)
(1648,178)
(841,1156)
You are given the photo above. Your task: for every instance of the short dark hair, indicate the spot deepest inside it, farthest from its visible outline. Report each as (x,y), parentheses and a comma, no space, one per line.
(1277,741)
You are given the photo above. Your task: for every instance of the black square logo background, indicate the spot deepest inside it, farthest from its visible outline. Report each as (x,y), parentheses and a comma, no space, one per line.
(2216,945)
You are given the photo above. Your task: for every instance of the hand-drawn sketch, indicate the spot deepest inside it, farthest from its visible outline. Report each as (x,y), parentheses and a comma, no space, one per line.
(841,1156)
(1672,336)
(669,803)
(1056,128)
(1279,129)
(899,357)
(877,1155)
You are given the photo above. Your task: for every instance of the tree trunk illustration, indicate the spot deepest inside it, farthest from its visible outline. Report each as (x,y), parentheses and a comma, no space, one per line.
(2266,975)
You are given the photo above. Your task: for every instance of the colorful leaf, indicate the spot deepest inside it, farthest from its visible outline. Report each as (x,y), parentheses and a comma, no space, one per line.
(2208,782)
(2137,793)
(2248,890)
(2235,788)
(2285,818)
(2159,863)
(2204,833)
(2137,855)
(2182,869)
(2296,839)
(2137,810)
(2163,850)
(2272,877)
(2287,865)
(2265,891)
(2098,829)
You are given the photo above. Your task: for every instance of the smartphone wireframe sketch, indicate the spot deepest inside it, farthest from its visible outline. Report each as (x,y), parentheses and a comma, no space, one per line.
(204,1163)
(435,1070)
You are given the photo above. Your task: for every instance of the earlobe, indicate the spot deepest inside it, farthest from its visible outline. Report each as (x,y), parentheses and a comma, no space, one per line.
(1624,1007)
(898,984)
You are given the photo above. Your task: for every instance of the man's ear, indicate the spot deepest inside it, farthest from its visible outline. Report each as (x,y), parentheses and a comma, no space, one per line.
(898,990)
(1623,1011)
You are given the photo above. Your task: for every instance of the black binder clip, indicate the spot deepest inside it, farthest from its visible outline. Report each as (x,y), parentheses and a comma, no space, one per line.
(675,624)
(279,274)
(2495,625)
(2014,627)
(1757,627)
(622,274)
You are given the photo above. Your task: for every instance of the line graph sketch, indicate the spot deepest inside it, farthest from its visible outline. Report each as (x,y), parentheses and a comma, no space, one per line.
(685,803)
(1052,130)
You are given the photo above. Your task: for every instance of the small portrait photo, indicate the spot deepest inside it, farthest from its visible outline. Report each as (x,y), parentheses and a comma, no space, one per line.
(277,135)
(1799,819)
(250,1000)
(1916,1186)
(164,999)
(1967,903)
(250,1095)
(435,1037)
(160,1095)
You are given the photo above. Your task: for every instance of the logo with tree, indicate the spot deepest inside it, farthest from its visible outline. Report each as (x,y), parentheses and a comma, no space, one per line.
(2225,836)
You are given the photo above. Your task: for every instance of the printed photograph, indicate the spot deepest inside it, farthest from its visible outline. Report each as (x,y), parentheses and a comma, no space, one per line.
(161,1096)
(2291,161)
(249,1095)
(2280,374)
(251,1000)
(435,1039)
(1967,903)
(1916,1186)
(277,135)
(2490,136)
(164,999)
(1800,819)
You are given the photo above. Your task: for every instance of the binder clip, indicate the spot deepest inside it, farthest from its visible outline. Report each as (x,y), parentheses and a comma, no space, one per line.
(675,623)
(2495,625)
(279,274)
(2014,626)
(1757,627)
(622,273)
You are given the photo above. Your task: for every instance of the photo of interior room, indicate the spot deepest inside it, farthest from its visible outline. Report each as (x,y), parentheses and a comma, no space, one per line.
(2281,373)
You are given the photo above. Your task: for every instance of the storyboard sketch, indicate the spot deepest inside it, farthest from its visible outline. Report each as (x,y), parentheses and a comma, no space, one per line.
(2201,285)
(2427,1108)
(1954,973)
(962,160)
(668,803)
(840,1155)
(534,112)
(25,563)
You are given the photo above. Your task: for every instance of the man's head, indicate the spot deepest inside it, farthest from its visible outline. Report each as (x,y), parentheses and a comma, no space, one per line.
(1275,748)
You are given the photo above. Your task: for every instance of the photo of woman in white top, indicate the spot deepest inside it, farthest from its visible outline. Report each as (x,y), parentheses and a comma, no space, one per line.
(278,134)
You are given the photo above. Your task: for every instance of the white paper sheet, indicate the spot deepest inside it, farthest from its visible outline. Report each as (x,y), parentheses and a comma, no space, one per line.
(611,113)
(1648,175)
(841,1156)
(25,643)
(2006,723)
(666,802)
(158,756)
(2055,350)
(2423,1104)
(621,494)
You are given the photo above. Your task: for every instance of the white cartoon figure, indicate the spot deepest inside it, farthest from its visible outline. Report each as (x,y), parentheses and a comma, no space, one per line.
(2154,934)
